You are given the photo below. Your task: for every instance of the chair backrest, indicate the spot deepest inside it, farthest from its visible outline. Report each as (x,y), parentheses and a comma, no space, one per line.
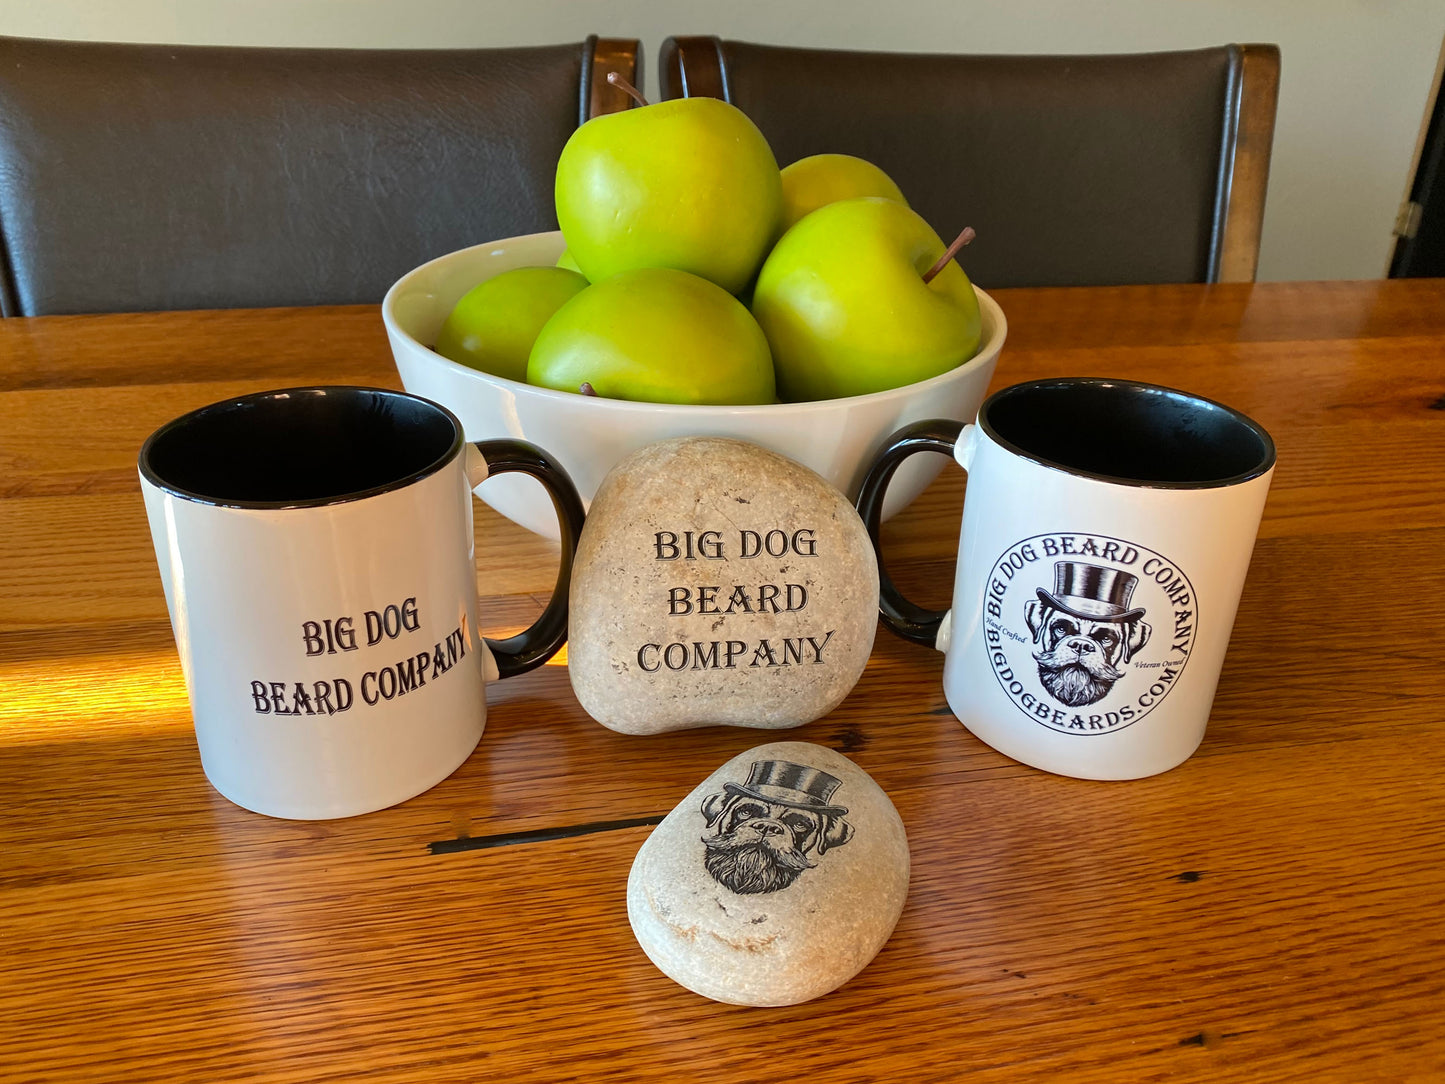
(136,177)
(1074,170)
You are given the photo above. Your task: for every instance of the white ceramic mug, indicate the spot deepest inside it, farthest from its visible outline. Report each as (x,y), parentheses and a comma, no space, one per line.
(316,549)
(1107,529)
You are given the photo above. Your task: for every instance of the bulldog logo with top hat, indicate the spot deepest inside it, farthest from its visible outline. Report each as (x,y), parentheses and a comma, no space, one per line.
(1063,628)
(1084,631)
(761,833)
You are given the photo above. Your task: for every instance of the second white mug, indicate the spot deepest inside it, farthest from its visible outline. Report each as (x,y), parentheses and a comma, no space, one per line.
(1107,530)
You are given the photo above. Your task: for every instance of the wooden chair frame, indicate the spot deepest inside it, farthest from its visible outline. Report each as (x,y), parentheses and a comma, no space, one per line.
(600,57)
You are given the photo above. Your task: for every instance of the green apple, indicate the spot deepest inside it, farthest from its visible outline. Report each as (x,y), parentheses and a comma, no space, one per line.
(655,335)
(820,179)
(689,184)
(493,326)
(566,260)
(845,307)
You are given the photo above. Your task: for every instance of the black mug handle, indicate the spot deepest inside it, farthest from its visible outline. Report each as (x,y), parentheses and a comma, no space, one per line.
(532,647)
(904,618)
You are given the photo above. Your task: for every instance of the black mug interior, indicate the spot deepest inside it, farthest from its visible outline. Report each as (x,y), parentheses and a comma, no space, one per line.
(1122,431)
(300,447)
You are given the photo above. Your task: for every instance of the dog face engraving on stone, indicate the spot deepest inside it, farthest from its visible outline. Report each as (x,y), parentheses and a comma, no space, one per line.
(761,833)
(1085,631)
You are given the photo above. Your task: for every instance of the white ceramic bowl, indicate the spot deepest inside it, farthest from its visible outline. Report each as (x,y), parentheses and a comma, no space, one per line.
(838,438)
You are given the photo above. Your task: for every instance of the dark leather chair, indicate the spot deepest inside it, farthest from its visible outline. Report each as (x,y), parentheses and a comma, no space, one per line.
(1074,170)
(138,177)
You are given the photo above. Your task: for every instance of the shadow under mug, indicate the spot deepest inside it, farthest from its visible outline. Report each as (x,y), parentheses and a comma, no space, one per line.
(317,552)
(1107,531)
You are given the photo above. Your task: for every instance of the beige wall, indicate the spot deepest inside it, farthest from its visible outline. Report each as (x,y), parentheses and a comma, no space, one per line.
(1357,73)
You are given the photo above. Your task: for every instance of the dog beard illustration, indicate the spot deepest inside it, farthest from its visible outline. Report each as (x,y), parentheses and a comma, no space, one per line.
(1074,679)
(749,861)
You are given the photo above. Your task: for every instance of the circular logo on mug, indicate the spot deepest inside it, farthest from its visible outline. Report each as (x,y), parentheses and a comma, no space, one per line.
(1086,633)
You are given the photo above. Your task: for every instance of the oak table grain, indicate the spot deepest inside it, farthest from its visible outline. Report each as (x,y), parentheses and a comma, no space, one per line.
(1273,909)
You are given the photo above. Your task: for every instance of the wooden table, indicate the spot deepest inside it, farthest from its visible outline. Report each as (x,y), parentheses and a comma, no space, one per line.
(1274,909)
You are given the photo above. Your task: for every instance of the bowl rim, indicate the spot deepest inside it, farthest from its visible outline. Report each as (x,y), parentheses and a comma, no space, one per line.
(992,317)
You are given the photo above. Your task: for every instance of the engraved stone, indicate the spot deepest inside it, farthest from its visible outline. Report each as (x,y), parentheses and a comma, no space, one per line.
(717,582)
(775,881)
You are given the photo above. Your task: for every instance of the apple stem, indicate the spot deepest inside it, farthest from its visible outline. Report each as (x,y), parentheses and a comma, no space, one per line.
(587,389)
(626,88)
(958,242)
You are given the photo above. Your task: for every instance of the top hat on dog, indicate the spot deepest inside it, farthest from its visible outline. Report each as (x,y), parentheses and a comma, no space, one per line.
(791,785)
(1092,592)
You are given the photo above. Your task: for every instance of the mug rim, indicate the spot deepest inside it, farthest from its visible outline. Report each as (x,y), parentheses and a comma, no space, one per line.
(149,473)
(1263,467)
